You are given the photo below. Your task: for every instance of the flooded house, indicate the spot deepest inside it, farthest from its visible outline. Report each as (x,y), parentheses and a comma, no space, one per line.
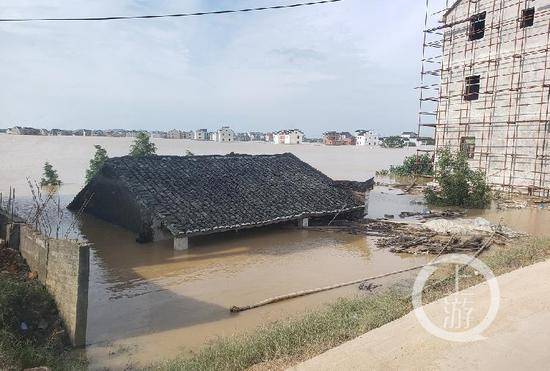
(176,198)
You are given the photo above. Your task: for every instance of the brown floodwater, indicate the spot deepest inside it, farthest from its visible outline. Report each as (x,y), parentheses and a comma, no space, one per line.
(148,303)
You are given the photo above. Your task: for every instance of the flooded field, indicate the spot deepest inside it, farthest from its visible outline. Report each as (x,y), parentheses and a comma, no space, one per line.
(147,302)
(71,156)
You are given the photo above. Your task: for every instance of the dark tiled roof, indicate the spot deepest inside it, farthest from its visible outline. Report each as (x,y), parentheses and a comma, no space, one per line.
(205,194)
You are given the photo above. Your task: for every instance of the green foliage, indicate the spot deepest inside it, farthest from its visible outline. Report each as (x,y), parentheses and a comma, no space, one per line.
(30,303)
(50,177)
(143,146)
(393,142)
(414,165)
(459,185)
(97,162)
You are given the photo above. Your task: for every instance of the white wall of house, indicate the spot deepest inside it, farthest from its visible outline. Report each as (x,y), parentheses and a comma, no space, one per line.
(294,137)
(367,138)
(201,134)
(225,134)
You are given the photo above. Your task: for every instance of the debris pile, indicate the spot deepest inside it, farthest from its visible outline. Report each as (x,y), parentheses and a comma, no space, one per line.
(453,235)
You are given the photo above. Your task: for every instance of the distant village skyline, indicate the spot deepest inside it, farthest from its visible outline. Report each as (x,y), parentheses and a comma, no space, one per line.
(333,73)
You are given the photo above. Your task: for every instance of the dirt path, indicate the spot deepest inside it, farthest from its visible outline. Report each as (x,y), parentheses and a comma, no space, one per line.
(518,339)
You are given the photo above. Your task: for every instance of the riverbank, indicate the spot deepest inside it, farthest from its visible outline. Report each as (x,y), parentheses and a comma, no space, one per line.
(286,343)
(517,339)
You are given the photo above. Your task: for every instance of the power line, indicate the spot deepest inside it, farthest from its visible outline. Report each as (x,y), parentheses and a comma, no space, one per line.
(218,12)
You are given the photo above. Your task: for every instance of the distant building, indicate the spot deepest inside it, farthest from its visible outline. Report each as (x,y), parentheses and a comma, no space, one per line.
(159,134)
(242,137)
(224,134)
(293,136)
(44,132)
(201,134)
(256,136)
(19,130)
(410,138)
(367,138)
(174,134)
(82,133)
(186,135)
(333,138)
(128,134)
(98,133)
(269,137)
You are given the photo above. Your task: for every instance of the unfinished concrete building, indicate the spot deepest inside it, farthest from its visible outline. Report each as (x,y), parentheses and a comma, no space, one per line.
(485,88)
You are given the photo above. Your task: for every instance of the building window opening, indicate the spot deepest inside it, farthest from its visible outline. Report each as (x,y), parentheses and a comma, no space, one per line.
(471,92)
(528,17)
(477,26)
(468,146)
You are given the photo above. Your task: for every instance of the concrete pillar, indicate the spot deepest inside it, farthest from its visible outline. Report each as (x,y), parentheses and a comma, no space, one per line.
(181,243)
(304,223)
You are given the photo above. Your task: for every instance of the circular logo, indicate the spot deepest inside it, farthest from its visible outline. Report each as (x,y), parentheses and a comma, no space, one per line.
(458,308)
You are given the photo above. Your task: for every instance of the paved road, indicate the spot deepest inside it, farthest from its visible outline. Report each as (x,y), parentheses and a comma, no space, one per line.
(518,339)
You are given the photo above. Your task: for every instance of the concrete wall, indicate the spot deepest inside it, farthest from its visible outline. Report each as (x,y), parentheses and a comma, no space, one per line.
(509,121)
(63,267)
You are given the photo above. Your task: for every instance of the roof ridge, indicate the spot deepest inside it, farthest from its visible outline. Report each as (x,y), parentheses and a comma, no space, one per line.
(228,155)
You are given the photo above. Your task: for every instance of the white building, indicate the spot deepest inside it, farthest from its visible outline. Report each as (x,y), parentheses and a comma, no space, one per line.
(201,134)
(293,136)
(225,134)
(174,134)
(367,138)
(410,138)
(493,101)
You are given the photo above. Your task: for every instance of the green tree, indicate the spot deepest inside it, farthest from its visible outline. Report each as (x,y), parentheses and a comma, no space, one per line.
(414,165)
(393,142)
(50,177)
(97,162)
(458,184)
(143,146)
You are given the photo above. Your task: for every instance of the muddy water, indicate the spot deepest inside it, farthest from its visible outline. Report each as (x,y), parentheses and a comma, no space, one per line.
(147,302)
(530,220)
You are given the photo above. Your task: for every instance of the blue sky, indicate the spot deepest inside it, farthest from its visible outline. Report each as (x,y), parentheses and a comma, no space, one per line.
(342,66)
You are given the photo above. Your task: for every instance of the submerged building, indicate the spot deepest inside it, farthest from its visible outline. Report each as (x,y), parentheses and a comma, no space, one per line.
(172,197)
(486,67)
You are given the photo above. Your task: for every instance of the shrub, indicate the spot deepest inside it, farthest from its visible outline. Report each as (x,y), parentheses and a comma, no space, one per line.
(50,177)
(414,165)
(96,163)
(393,142)
(459,185)
(142,146)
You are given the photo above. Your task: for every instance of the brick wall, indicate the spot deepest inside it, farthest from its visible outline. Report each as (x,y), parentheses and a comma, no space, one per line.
(63,267)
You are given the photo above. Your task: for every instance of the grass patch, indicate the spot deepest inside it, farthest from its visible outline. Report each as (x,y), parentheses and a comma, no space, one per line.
(297,339)
(39,342)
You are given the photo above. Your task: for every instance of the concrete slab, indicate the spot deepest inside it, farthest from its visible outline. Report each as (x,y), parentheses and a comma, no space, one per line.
(518,339)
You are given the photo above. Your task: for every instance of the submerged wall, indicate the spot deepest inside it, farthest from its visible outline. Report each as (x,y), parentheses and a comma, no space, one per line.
(63,267)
